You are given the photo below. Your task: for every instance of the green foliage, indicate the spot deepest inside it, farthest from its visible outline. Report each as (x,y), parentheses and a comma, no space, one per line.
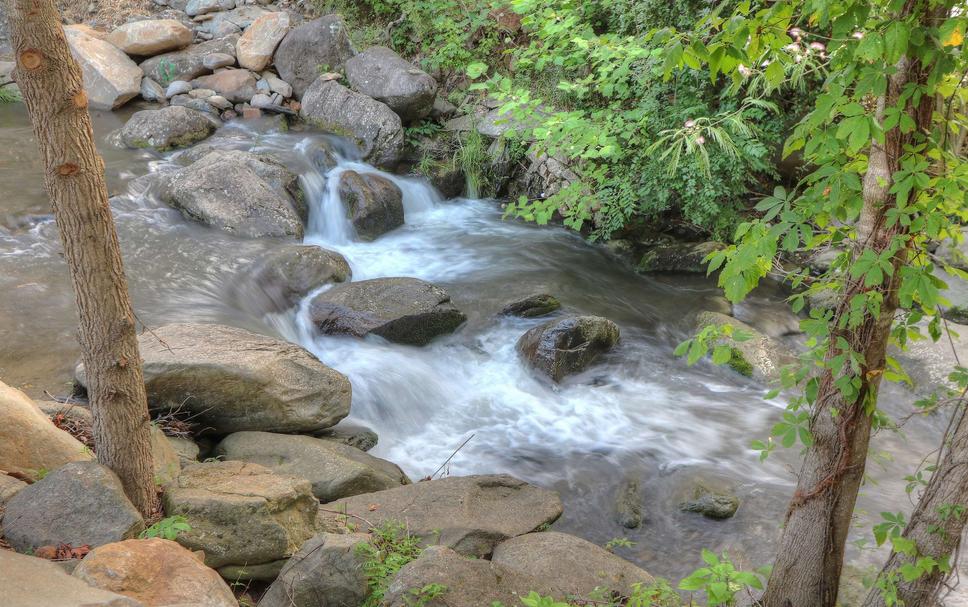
(720,580)
(390,548)
(657,594)
(618,542)
(167,528)
(473,160)
(167,69)
(8,95)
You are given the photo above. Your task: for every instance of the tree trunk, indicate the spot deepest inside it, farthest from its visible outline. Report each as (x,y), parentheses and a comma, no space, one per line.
(52,89)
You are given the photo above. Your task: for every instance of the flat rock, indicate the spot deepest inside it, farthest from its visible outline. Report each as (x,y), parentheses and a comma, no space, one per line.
(327,570)
(238,86)
(150,37)
(28,581)
(373,202)
(286,274)
(322,42)
(166,128)
(565,346)
(111,79)
(187,63)
(380,73)
(259,41)
(532,306)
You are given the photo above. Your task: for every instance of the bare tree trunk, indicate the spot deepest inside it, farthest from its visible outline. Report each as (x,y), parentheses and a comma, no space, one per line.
(52,89)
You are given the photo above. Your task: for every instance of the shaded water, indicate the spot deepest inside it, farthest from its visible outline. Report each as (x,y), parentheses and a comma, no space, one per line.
(639,413)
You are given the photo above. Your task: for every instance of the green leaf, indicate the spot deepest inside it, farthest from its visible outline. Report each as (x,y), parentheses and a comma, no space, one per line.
(476,70)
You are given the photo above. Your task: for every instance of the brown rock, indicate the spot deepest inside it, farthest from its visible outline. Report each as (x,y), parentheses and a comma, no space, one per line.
(151,37)
(238,86)
(258,42)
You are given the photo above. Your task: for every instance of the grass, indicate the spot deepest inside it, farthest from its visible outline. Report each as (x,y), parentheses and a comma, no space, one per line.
(390,548)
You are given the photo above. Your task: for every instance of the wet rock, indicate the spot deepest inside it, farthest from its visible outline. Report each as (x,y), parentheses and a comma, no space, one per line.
(329,565)
(150,37)
(759,357)
(235,380)
(711,504)
(570,564)
(628,504)
(214,61)
(188,63)
(81,503)
(202,7)
(374,203)
(678,257)
(360,437)
(280,279)
(565,346)
(238,86)
(335,471)
(532,306)
(156,572)
(28,581)
(111,79)
(257,44)
(320,43)
(402,310)
(371,124)
(166,128)
(9,486)
(471,514)
(241,513)
(152,91)
(29,442)
(380,73)
(178,87)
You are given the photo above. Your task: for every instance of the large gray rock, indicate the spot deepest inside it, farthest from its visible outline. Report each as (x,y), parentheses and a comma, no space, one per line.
(238,86)
(258,42)
(471,514)
(759,357)
(241,513)
(335,471)
(202,7)
(326,572)
(28,581)
(371,124)
(238,192)
(82,503)
(111,79)
(374,203)
(401,310)
(234,380)
(570,564)
(151,37)
(166,128)
(380,73)
(280,279)
(187,63)
(565,346)
(318,44)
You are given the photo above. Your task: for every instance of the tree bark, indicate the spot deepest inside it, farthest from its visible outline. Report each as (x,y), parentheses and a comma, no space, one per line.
(52,89)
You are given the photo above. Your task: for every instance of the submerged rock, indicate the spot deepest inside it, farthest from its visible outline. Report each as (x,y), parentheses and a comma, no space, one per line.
(374,203)
(280,279)
(329,565)
(565,346)
(28,581)
(678,257)
(318,44)
(151,36)
(532,306)
(111,79)
(628,504)
(380,73)
(711,504)
(166,128)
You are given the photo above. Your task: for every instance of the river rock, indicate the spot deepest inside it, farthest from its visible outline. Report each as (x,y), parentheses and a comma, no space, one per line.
(111,79)
(156,572)
(374,126)
(150,37)
(532,306)
(710,503)
(152,91)
(187,63)
(380,73)
(177,87)
(564,346)
(336,471)
(235,380)
(214,61)
(241,513)
(276,84)
(759,357)
(81,503)
(28,581)
(166,128)
(256,46)
(374,203)
(678,257)
(29,442)
(470,514)
(280,279)
(318,44)
(350,434)
(238,86)
(327,571)
(402,310)
(202,7)
(9,487)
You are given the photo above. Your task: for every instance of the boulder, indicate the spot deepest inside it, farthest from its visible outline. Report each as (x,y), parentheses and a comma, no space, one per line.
(111,79)
(327,571)
(241,513)
(238,86)
(564,346)
(345,433)
(532,306)
(335,471)
(202,7)
(186,449)
(402,310)
(711,503)
(151,37)
(257,44)
(318,44)
(286,274)
(570,564)
(372,125)
(471,514)
(28,581)
(29,442)
(238,192)
(156,572)
(152,91)
(758,357)
(226,23)
(189,62)
(373,202)
(166,128)
(678,257)
(81,503)
(234,380)
(380,73)
(9,487)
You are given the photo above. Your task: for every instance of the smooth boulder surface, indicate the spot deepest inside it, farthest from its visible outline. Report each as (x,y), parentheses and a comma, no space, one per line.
(380,73)
(151,36)
(111,79)
(565,346)
(241,513)
(326,572)
(238,86)
(759,357)
(280,279)
(236,380)
(82,503)
(166,128)
(320,43)
(189,62)
(335,471)
(471,514)
(373,202)
(28,581)
(372,125)
(156,572)
(570,564)
(532,306)
(257,44)
(402,310)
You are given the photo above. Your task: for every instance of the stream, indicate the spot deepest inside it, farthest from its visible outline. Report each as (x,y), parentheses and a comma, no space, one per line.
(638,413)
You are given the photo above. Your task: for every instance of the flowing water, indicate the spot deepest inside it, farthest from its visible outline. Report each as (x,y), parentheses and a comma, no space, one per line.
(637,414)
